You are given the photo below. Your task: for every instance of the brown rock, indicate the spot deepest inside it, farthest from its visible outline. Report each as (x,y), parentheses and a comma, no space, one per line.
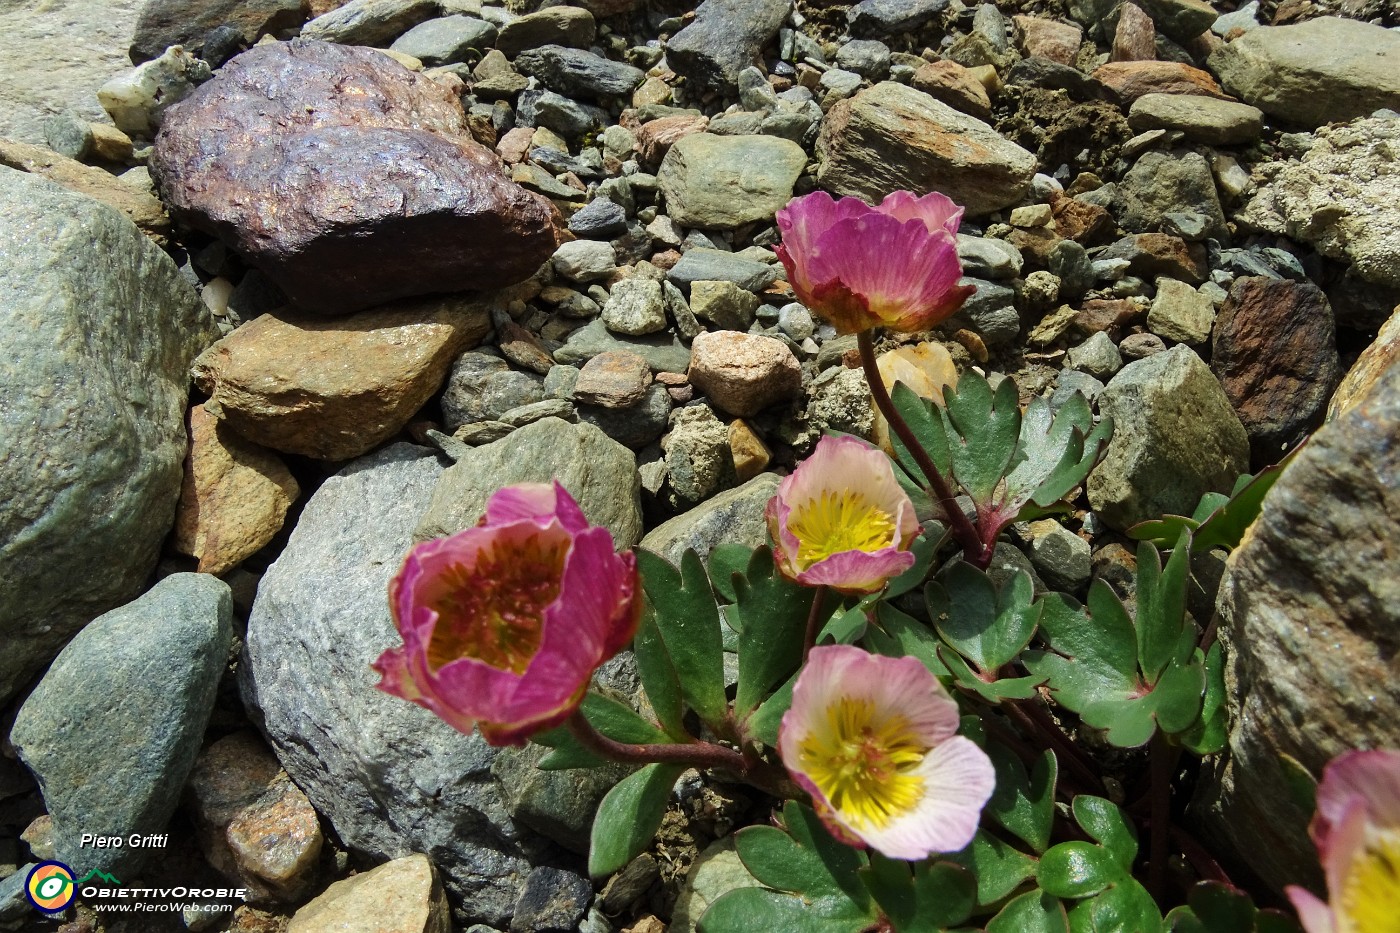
(187,22)
(348,179)
(1156,254)
(1374,361)
(1135,40)
(1274,350)
(1076,220)
(523,348)
(655,138)
(952,84)
(751,455)
(139,207)
(1047,38)
(1110,315)
(1131,80)
(515,145)
(334,390)
(613,379)
(234,497)
(110,144)
(742,373)
(402,896)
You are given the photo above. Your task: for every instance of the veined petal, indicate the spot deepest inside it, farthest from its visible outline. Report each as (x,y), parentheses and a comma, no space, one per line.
(958,780)
(857,572)
(1372,777)
(1314,913)
(936,210)
(540,503)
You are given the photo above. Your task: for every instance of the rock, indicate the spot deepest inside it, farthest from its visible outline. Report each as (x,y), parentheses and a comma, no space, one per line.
(253,824)
(549,408)
(140,207)
(1071,382)
(482,388)
(656,137)
(1275,353)
(633,427)
(578,73)
(725,37)
(751,455)
(744,374)
(138,99)
(662,351)
(234,497)
(1180,313)
(724,304)
(1097,356)
(557,25)
(635,306)
(615,379)
(891,137)
(330,125)
(1061,557)
(401,896)
(1175,438)
(1309,608)
(558,804)
(370,22)
(1131,80)
(585,260)
(1047,38)
(164,23)
(891,17)
(333,390)
(97,333)
(1370,366)
(1164,182)
(1328,199)
(446,39)
(554,901)
(866,57)
(716,871)
(720,182)
(112,730)
(987,258)
(1204,119)
(733,516)
(1151,255)
(600,219)
(1137,346)
(699,462)
(597,471)
(1324,70)
(523,348)
(1180,20)
(713,265)
(1135,38)
(954,85)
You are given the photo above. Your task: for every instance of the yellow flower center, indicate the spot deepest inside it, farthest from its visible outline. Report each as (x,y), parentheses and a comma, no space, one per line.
(839,521)
(861,760)
(1370,898)
(494,610)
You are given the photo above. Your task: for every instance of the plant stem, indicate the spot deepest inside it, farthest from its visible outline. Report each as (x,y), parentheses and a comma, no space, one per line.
(694,754)
(1161,768)
(813,622)
(973,549)
(1033,717)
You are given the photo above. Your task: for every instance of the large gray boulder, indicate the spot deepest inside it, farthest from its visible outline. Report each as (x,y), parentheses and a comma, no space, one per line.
(97,333)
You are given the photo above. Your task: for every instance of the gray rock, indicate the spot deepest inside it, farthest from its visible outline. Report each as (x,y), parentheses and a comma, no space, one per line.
(536,411)
(634,427)
(1070,263)
(370,22)
(841,402)
(597,471)
(1061,557)
(868,58)
(446,39)
(1163,182)
(164,23)
(755,93)
(137,100)
(1071,382)
(585,260)
(662,351)
(1309,608)
(1323,70)
(483,387)
(725,37)
(1243,19)
(600,219)
(1097,356)
(635,306)
(98,330)
(113,729)
(391,777)
(558,804)
(556,25)
(714,265)
(554,901)
(725,304)
(1180,20)
(720,182)
(892,17)
(699,461)
(840,83)
(733,516)
(1175,438)
(1204,119)
(14,902)
(563,115)
(991,311)
(578,73)
(796,321)
(988,258)
(1180,313)
(891,137)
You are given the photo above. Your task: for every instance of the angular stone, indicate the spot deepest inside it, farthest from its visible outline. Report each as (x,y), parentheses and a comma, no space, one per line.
(1324,70)
(370,22)
(446,39)
(1370,366)
(402,896)
(1181,20)
(137,100)
(1131,80)
(333,390)
(140,207)
(597,471)
(234,497)
(556,25)
(1204,119)
(719,182)
(554,901)
(1275,353)
(578,72)
(725,37)
(744,374)
(891,17)
(656,137)
(1150,255)
(1135,38)
(615,379)
(1175,438)
(662,351)
(288,156)
(952,84)
(635,306)
(164,23)
(1060,556)
(483,387)
(1047,38)
(724,304)
(1180,313)
(733,516)
(558,804)
(1309,608)
(699,462)
(635,427)
(97,333)
(1165,182)
(714,265)
(147,672)
(891,137)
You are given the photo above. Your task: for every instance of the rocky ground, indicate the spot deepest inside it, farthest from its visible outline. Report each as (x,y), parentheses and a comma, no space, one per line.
(275,309)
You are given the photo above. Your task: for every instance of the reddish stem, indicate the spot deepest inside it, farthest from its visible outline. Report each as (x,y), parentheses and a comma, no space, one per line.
(813,622)
(694,754)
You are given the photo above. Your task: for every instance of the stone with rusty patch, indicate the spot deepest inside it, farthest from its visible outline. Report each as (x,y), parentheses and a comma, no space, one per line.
(656,137)
(348,179)
(954,85)
(334,390)
(234,497)
(1042,37)
(402,896)
(1131,80)
(744,373)
(1160,254)
(613,379)
(141,208)
(1135,38)
(1274,350)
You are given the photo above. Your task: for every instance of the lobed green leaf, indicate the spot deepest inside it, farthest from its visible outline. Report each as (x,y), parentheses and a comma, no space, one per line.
(688,620)
(628,817)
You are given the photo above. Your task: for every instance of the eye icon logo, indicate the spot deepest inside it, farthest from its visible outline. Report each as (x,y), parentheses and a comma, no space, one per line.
(50,886)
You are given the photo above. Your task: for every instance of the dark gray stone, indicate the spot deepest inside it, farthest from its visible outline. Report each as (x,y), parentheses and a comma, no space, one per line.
(1166,182)
(600,219)
(370,22)
(633,427)
(113,729)
(714,265)
(563,115)
(164,23)
(482,388)
(554,901)
(725,37)
(891,17)
(663,352)
(578,73)
(558,804)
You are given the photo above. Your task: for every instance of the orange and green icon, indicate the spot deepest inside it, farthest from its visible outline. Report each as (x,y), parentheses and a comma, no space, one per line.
(50,886)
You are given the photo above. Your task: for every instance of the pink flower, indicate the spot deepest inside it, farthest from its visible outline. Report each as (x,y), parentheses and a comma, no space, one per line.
(873,740)
(1357,832)
(504,623)
(860,267)
(841,520)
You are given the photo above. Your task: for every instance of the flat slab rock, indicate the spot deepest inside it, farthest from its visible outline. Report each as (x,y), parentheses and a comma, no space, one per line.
(347,178)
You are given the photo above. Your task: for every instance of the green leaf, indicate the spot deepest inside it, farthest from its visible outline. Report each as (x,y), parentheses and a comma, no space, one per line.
(1078,869)
(1126,907)
(1032,912)
(726,559)
(1211,734)
(846,626)
(1025,805)
(1302,786)
(925,419)
(993,691)
(658,674)
(749,909)
(998,867)
(613,719)
(762,724)
(688,619)
(1165,634)
(933,897)
(925,549)
(772,613)
(899,634)
(986,426)
(629,816)
(1102,820)
(840,861)
(1220,908)
(987,626)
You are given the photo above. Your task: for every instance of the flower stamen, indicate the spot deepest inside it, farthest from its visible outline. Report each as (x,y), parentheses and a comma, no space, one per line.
(836,521)
(1370,901)
(863,762)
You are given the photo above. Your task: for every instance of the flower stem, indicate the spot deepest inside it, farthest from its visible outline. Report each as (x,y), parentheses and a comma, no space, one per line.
(973,548)
(695,754)
(813,622)
(1034,720)
(1161,771)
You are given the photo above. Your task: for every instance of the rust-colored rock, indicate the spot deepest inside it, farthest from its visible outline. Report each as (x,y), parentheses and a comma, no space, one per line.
(1131,80)
(1274,350)
(1374,361)
(1110,315)
(954,85)
(234,497)
(335,389)
(655,137)
(1135,40)
(613,379)
(1080,221)
(1156,254)
(1042,37)
(140,208)
(348,179)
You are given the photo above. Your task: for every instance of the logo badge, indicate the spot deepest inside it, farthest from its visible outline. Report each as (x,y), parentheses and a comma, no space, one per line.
(50,886)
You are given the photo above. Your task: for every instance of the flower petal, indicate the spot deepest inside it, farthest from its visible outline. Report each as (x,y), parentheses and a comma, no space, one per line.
(1314,914)
(1373,777)
(936,210)
(958,780)
(540,503)
(857,572)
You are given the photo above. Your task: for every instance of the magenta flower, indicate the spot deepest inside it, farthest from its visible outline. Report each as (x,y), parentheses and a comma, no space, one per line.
(841,519)
(504,623)
(873,740)
(1357,832)
(860,267)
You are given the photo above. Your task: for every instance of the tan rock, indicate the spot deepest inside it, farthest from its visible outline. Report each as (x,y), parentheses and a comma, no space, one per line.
(1135,40)
(335,389)
(402,896)
(1131,80)
(142,208)
(954,85)
(751,455)
(613,379)
(234,497)
(651,91)
(110,143)
(655,138)
(1047,38)
(742,373)
(1374,361)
